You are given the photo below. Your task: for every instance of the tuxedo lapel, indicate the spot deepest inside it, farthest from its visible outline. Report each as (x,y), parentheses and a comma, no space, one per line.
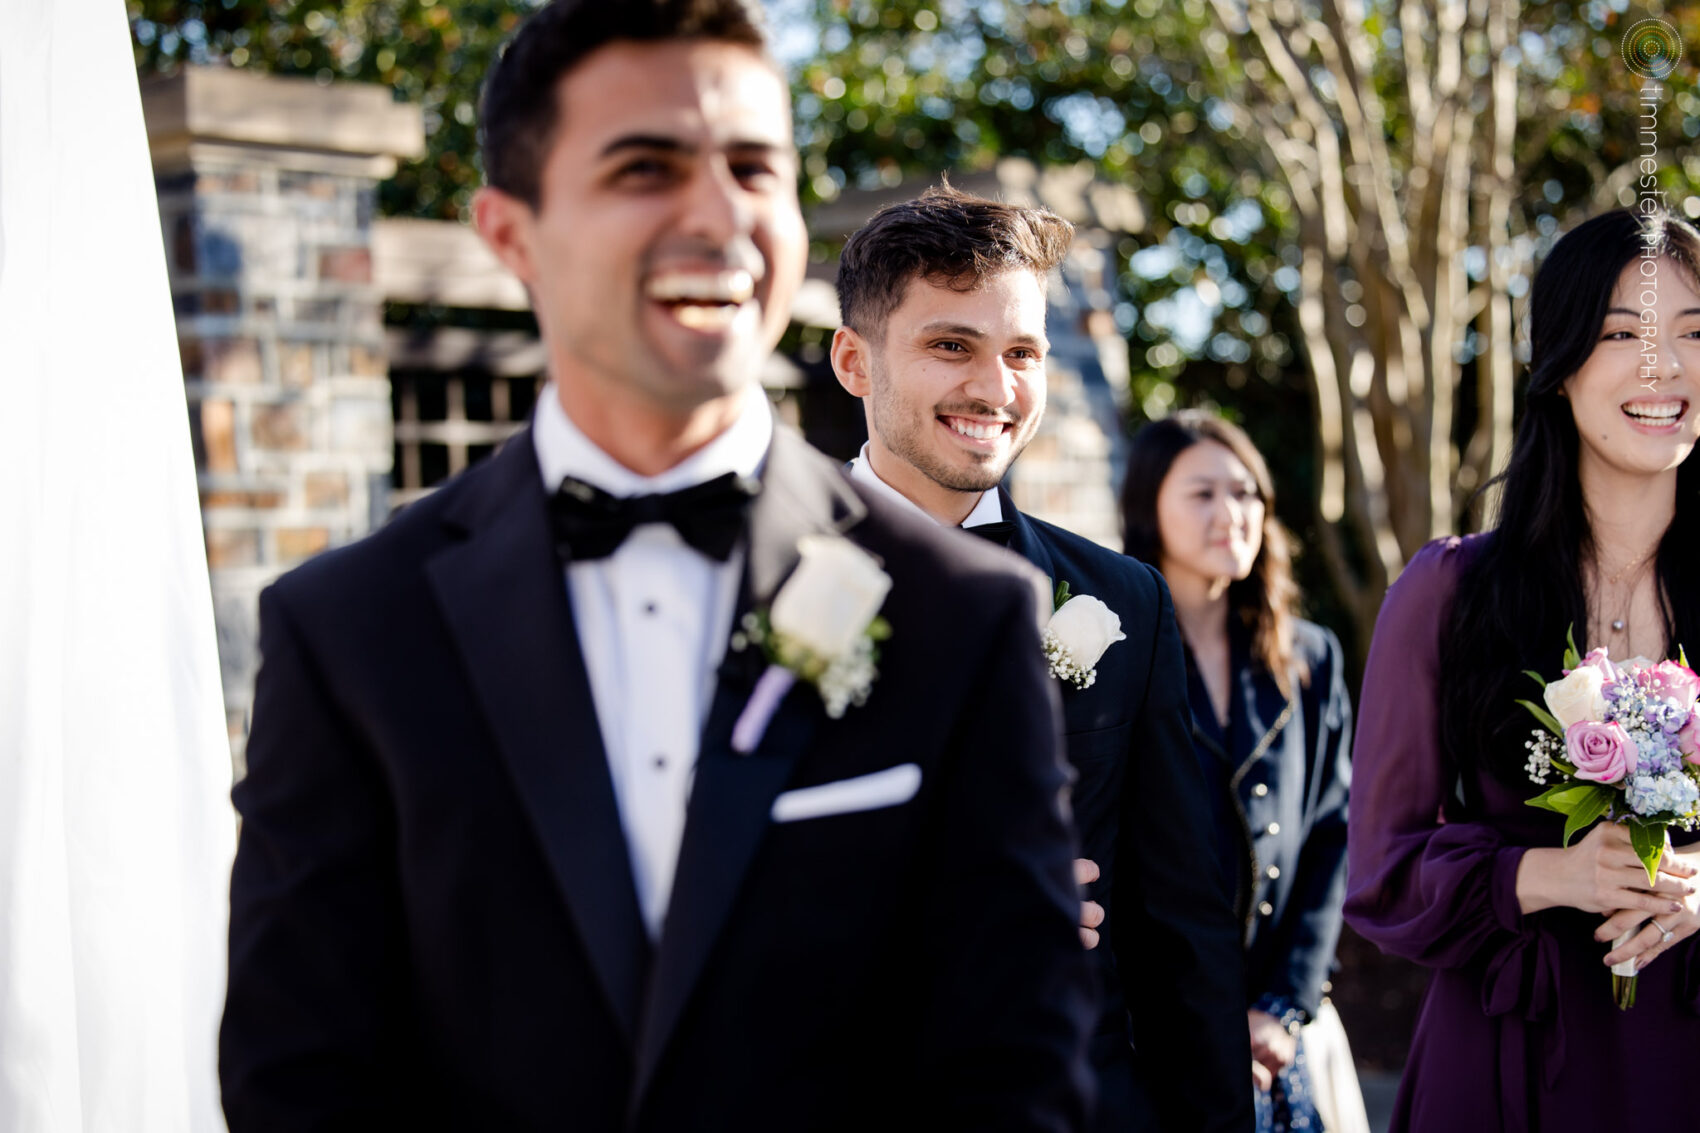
(1026,541)
(732,794)
(504,598)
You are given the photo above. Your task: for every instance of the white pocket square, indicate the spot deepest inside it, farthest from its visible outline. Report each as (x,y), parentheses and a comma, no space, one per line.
(885,788)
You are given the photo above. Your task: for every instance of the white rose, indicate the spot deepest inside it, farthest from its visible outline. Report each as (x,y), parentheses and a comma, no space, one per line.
(1085,627)
(829,600)
(1577,697)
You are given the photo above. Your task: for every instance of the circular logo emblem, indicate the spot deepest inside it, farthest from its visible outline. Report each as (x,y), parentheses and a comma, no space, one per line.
(1652,49)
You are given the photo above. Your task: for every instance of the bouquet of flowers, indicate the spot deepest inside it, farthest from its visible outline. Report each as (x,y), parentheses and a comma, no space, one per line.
(1623,740)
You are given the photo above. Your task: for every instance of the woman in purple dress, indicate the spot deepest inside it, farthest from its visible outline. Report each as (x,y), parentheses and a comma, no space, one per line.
(1598,529)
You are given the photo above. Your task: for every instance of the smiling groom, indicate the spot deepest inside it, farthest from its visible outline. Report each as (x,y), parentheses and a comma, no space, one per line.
(528,842)
(943,302)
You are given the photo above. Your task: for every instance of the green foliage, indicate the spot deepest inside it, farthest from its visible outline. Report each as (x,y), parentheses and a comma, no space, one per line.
(432,53)
(1582,804)
(1648,838)
(1546,718)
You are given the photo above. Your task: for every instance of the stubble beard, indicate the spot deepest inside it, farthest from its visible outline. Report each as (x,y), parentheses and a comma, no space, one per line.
(903,436)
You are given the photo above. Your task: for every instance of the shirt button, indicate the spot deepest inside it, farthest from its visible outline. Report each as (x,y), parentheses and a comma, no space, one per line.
(661,763)
(1272,872)
(1272,829)
(649,608)
(1260,790)
(1266,908)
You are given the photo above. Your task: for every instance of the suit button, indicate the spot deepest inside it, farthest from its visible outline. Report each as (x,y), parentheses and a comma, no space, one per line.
(1266,908)
(1260,790)
(1272,829)
(1272,872)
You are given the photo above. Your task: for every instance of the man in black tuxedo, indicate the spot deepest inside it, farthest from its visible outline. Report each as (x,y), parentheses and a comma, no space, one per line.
(943,302)
(528,841)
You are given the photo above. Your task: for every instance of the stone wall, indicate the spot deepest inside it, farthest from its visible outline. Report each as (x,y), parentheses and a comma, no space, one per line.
(267,190)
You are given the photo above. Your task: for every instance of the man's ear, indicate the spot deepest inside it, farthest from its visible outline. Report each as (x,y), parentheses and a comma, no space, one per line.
(850,359)
(504,222)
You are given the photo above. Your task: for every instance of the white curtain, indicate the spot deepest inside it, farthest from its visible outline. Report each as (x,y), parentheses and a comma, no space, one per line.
(115,827)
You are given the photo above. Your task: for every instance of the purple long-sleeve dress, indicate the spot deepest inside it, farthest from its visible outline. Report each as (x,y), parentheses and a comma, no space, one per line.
(1519,1031)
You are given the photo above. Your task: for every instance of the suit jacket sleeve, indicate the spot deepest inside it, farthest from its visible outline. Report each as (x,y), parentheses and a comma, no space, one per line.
(1012,998)
(1310,925)
(1177,946)
(310,1028)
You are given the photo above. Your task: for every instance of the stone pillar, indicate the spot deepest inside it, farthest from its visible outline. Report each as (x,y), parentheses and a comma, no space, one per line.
(267,189)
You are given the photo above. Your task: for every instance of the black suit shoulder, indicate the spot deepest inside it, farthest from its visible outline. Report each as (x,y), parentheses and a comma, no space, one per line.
(366,570)
(1133,584)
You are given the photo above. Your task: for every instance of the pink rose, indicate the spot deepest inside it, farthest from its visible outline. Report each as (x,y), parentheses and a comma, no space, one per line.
(1688,739)
(1671,681)
(1603,753)
(1597,659)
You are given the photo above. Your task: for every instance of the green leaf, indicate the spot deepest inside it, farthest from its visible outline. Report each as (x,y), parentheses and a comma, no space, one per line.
(1588,811)
(1060,597)
(1564,798)
(1564,766)
(1648,838)
(1572,657)
(1536,677)
(1681,657)
(1545,717)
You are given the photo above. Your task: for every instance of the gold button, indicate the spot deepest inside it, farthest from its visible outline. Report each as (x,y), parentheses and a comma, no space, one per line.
(1272,829)
(1266,908)
(1260,790)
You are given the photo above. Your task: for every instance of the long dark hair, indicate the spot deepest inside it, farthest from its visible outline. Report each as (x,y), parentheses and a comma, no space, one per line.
(1518,597)
(1264,600)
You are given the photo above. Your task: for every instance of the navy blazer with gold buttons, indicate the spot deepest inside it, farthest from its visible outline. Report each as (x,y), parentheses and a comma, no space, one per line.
(1284,765)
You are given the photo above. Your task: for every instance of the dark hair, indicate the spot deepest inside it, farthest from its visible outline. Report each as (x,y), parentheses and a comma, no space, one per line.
(520,107)
(1524,590)
(1265,599)
(947,237)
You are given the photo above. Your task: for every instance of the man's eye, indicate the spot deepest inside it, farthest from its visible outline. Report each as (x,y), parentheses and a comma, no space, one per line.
(753,172)
(643,169)
(950,347)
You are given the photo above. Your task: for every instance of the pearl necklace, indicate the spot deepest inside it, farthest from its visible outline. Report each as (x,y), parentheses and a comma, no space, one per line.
(1619,623)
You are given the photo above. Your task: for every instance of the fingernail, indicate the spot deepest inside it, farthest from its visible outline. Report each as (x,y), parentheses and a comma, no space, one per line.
(1675,907)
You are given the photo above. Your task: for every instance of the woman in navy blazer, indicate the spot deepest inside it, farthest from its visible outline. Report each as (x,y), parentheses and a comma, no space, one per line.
(1272,722)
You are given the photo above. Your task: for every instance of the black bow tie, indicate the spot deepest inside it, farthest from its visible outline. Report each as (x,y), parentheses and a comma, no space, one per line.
(591,524)
(1002,532)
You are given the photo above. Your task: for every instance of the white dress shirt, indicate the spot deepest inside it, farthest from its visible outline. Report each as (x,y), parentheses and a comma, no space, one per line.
(989,509)
(653,620)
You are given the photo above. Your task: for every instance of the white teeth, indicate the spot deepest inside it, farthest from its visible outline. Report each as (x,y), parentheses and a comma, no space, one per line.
(705,318)
(1655,413)
(719,287)
(977,430)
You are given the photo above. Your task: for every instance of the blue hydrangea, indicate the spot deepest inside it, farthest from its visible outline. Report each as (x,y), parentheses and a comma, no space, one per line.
(1665,716)
(1670,792)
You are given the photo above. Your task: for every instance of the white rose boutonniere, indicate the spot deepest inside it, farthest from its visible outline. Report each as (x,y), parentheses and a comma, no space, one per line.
(1080,630)
(823,627)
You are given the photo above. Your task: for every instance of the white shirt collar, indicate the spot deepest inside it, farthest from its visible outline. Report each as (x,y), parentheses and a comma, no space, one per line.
(564,450)
(989,509)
